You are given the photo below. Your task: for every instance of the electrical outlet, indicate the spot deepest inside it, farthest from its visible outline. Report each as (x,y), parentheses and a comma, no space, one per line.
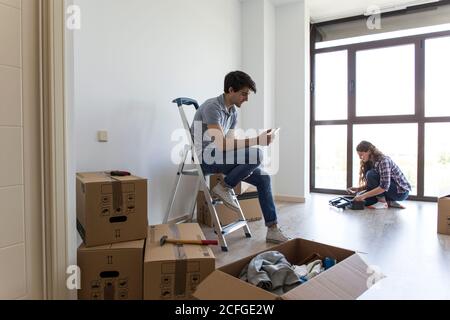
(102,136)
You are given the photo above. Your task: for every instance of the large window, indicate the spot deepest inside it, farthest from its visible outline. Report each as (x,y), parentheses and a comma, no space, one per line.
(393,93)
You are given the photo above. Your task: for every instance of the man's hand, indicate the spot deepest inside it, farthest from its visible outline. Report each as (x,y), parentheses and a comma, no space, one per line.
(358,198)
(229,142)
(266,138)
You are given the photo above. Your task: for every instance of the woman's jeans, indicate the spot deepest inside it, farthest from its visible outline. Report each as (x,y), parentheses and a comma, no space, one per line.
(373,181)
(243,165)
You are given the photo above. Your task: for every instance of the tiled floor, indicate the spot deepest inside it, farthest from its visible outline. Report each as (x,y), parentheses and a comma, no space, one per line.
(404,244)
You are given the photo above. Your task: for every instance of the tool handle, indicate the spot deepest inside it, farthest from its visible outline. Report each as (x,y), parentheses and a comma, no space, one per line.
(200,242)
(210,242)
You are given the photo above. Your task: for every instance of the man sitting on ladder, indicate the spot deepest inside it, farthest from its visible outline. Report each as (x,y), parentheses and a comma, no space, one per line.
(238,159)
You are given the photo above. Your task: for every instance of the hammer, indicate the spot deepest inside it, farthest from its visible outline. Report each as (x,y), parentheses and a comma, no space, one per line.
(166,239)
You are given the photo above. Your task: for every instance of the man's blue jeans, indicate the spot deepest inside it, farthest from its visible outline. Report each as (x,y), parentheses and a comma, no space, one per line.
(373,181)
(243,165)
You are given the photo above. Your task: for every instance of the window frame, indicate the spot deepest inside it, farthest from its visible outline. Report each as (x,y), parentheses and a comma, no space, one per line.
(418,117)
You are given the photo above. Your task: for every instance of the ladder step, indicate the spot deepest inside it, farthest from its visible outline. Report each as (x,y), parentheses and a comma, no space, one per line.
(190,172)
(215,202)
(233,227)
(247,196)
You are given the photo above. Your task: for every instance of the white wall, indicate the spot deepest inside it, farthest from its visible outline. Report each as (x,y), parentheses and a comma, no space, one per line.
(252,112)
(131,59)
(73,238)
(292,98)
(269,64)
(258,60)
(275,52)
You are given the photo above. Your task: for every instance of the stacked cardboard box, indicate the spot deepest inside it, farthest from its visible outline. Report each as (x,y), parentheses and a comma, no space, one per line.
(111,272)
(111,209)
(248,199)
(241,188)
(250,207)
(112,221)
(444,215)
(173,272)
(153,270)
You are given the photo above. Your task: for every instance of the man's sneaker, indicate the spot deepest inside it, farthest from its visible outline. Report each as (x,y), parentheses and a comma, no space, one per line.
(226,195)
(379,205)
(275,235)
(395,204)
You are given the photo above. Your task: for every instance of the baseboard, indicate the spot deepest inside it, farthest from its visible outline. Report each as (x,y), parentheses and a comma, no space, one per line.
(290,199)
(184,218)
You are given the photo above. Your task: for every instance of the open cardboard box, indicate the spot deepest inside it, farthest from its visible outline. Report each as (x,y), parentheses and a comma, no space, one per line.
(346,280)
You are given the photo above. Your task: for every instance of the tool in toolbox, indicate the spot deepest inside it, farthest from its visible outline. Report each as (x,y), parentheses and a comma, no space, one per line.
(166,239)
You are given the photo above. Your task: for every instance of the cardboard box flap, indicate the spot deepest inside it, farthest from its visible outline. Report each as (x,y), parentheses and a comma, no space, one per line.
(155,252)
(128,178)
(221,286)
(102,247)
(345,281)
(89,177)
(138,244)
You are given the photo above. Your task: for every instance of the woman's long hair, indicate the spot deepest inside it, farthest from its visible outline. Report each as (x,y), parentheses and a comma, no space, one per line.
(374,156)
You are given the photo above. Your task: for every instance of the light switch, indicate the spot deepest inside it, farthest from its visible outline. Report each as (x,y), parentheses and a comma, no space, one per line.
(102,136)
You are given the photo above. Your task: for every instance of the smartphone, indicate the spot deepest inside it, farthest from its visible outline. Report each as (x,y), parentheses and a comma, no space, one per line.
(275,131)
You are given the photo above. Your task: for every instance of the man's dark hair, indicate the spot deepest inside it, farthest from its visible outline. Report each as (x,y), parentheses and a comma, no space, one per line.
(239,80)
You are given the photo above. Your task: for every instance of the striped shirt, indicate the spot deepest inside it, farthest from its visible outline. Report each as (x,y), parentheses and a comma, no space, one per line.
(387,169)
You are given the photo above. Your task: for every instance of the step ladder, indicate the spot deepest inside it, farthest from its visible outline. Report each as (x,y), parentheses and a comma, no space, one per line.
(201,185)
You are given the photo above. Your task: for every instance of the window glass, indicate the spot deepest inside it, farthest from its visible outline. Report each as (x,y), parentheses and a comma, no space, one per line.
(331,157)
(385,81)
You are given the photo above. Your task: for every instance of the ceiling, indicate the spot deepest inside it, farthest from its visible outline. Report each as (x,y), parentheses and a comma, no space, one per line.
(324,10)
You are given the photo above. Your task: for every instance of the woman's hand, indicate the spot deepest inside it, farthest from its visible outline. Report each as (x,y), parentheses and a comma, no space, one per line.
(353,190)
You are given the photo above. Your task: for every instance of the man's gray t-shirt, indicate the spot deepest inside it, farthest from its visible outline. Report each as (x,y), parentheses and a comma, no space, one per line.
(212,111)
